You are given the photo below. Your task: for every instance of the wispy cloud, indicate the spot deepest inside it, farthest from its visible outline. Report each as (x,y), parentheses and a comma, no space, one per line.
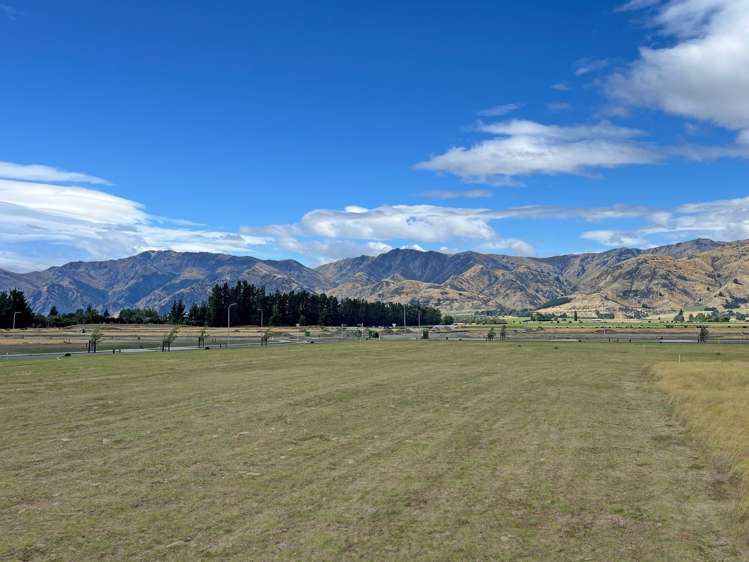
(10,12)
(499,110)
(70,202)
(333,233)
(587,66)
(725,220)
(44,224)
(561,87)
(511,245)
(420,223)
(354,230)
(56,223)
(520,148)
(329,234)
(615,238)
(321,251)
(637,5)
(39,172)
(466,194)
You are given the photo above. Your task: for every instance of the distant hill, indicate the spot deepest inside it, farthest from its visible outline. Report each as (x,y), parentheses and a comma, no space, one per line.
(696,273)
(153,279)
(699,272)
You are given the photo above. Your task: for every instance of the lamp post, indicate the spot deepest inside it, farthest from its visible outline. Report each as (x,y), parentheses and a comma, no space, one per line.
(14,319)
(228,322)
(261,318)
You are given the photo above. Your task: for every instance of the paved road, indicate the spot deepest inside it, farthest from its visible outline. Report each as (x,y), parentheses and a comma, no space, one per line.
(60,355)
(512,337)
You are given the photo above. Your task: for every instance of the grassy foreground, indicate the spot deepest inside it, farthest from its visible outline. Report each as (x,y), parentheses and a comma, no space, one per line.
(713,399)
(378,450)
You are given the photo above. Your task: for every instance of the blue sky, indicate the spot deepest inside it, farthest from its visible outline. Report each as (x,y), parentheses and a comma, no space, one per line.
(319,130)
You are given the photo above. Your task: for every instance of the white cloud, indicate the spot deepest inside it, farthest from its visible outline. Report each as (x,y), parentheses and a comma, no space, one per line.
(333,233)
(722,220)
(703,74)
(726,219)
(38,172)
(423,223)
(701,153)
(522,147)
(324,251)
(586,66)
(467,194)
(13,261)
(499,110)
(44,224)
(355,209)
(561,87)
(56,223)
(73,203)
(637,5)
(517,247)
(614,238)
(558,106)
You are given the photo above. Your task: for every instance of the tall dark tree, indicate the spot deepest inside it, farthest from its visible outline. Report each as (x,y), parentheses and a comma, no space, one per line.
(301,307)
(13,304)
(177,312)
(198,315)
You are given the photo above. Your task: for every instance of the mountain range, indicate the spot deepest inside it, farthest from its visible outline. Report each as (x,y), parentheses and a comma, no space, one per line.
(624,281)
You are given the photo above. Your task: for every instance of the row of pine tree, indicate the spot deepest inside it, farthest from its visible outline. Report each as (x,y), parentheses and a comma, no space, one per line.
(253,305)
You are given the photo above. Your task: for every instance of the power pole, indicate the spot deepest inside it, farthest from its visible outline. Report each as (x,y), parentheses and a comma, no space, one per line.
(14,319)
(228,322)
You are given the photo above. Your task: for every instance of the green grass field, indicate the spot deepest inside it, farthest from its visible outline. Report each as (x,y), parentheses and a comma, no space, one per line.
(372,451)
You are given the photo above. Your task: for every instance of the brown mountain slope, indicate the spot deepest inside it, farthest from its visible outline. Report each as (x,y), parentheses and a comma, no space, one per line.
(153,279)
(656,280)
(699,272)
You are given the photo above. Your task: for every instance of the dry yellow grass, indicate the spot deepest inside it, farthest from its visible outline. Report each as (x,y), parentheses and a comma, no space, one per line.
(433,450)
(713,399)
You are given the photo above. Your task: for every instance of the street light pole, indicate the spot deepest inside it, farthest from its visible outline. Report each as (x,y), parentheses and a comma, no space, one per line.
(228,322)
(261,318)
(14,319)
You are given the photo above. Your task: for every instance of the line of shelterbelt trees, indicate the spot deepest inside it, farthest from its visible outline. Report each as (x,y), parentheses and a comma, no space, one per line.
(253,304)
(298,307)
(15,311)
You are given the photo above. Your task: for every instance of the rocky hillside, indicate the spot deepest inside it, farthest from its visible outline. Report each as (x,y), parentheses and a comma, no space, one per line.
(700,272)
(153,279)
